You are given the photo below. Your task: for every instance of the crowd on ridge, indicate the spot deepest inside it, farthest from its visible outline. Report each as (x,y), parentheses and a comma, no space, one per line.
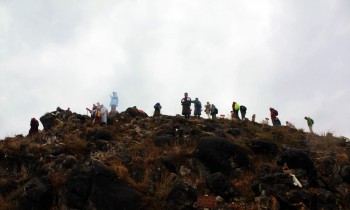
(99,113)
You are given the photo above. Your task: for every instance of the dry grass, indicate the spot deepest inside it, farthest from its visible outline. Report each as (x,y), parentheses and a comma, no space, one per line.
(342,158)
(75,145)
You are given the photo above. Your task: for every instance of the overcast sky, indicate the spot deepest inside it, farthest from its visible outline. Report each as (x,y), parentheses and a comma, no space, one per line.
(293,55)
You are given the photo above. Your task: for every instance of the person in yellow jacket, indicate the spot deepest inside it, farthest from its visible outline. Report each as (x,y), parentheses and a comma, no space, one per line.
(235,109)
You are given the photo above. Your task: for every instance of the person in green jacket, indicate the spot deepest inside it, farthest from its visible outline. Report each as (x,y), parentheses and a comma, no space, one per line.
(235,109)
(310,123)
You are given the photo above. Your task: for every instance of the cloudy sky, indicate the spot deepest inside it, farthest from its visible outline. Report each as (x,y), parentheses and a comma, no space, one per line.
(293,55)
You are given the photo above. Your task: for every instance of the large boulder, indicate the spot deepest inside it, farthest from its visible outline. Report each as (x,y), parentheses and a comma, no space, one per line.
(48,121)
(299,159)
(94,186)
(263,147)
(221,155)
(220,185)
(181,197)
(345,173)
(37,195)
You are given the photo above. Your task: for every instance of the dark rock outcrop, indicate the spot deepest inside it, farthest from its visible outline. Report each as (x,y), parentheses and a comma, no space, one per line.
(221,155)
(96,187)
(181,197)
(36,195)
(219,184)
(298,158)
(263,147)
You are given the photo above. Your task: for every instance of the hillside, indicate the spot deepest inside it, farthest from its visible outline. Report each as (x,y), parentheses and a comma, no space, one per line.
(166,162)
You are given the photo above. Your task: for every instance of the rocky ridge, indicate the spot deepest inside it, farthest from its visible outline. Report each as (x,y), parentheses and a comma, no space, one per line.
(166,162)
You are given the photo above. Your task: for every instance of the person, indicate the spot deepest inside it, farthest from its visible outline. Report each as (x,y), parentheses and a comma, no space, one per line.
(114,102)
(207,109)
(214,111)
(186,106)
(243,110)
(92,111)
(290,125)
(157,108)
(253,118)
(97,119)
(310,123)
(34,125)
(277,122)
(273,114)
(235,109)
(104,115)
(197,108)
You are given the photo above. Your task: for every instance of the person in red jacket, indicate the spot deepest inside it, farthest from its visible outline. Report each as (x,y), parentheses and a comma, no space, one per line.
(34,125)
(274,118)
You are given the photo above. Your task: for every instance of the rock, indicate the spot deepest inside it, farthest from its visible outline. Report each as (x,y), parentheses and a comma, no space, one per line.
(345,173)
(48,121)
(97,187)
(169,162)
(99,134)
(218,153)
(298,158)
(63,162)
(163,140)
(181,197)
(102,145)
(36,195)
(210,126)
(263,147)
(234,131)
(219,184)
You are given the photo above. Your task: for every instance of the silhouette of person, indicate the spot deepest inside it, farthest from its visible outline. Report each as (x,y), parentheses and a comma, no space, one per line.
(186,106)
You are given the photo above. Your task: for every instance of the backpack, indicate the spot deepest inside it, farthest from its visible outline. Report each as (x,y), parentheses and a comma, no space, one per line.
(243,108)
(216,111)
(312,121)
(276,112)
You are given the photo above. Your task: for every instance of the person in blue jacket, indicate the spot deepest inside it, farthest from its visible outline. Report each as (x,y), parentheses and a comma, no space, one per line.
(114,102)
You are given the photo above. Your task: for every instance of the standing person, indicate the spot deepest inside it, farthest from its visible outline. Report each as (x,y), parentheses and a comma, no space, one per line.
(97,119)
(207,109)
(104,115)
(273,114)
(310,123)
(197,108)
(235,109)
(186,106)
(243,110)
(157,107)
(253,118)
(214,111)
(34,127)
(114,102)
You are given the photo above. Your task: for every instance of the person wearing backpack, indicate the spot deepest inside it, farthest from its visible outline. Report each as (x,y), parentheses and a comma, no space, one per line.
(235,109)
(214,111)
(310,123)
(243,110)
(207,109)
(274,114)
(157,107)
(186,106)
(197,108)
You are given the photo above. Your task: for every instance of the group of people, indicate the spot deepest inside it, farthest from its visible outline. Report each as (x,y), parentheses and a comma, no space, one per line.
(99,112)
(212,111)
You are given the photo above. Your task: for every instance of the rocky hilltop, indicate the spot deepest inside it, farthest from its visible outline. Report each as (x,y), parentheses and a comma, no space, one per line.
(167,162)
